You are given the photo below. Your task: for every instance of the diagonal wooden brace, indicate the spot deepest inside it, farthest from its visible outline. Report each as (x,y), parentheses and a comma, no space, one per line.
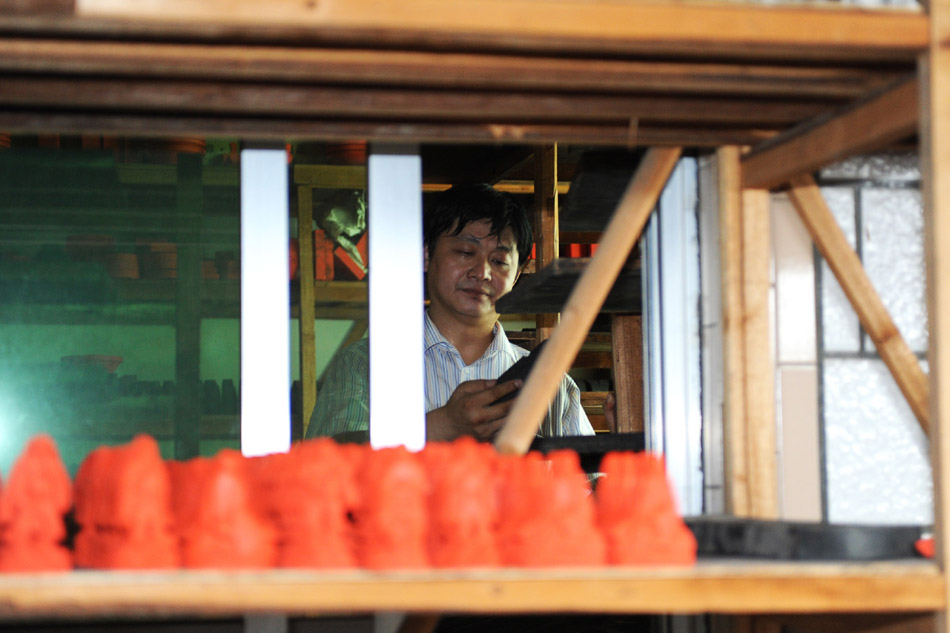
(874,317)
(586,299)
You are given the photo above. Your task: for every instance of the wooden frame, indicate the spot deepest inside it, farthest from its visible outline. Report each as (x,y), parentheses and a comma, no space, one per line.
(802,86)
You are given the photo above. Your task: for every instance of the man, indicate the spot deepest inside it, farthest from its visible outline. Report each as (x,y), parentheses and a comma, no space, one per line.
(477,240)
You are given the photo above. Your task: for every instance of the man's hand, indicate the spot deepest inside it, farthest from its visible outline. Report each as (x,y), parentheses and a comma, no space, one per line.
(470,411)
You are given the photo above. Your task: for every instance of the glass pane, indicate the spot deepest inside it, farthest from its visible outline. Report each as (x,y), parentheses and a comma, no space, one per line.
(119,294)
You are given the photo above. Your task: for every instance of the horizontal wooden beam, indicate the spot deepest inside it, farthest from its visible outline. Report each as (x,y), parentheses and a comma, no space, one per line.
(425,68)
(346,129)
(884,118)
(749,587)
(46,8)
(819,33)
(193,96)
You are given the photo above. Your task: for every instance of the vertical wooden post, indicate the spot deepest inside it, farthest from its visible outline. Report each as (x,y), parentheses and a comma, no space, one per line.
(188,308)
(749,415)
(935,158)
(733,344)
(545,224)
(627,347)
(307,346)
(759,369)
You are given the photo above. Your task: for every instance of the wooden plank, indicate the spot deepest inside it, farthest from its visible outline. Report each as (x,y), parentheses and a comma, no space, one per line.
(444,69)
(549,290)
(585,300)
(331,176)
(545,226)
(826,33)
(293,99)
(705,588)
(857,286)
(143,174)
(935,164)
(733,343)
(759,367)
(884,118)
(41,8)
(345,129)
(627,334)
(307,347)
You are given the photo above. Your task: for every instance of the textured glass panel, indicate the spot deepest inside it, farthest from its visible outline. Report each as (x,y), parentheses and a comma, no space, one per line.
(841,329)
(877,465)
(894,258)
(903,166)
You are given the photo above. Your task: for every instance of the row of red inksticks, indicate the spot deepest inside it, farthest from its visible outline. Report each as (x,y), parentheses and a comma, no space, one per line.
(336,506)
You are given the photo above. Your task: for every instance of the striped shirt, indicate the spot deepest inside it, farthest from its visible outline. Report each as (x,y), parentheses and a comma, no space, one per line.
(343,401)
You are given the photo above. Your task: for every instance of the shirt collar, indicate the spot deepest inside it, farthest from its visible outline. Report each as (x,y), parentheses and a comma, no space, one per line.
(500,343)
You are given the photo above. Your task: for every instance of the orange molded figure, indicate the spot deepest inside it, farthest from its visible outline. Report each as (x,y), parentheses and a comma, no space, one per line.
(219,525)
(390,522)
(37,495)
(123,507)
(309,493)
(637,513)
(547,513)
(463,503)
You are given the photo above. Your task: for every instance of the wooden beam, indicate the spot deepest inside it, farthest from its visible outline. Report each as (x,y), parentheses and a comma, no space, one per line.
(546,239)
(627,349)
(857,286)
(873,123)
(307,347)
(935,163)
(736,476)
(759,367)
(331,176)
(710,587)
(585,300)
(425,68)
(392,130)
(291,99)
(823,34)
(38,8)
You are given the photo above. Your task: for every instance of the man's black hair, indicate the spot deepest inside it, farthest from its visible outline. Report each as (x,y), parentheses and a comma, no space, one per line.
(453,209)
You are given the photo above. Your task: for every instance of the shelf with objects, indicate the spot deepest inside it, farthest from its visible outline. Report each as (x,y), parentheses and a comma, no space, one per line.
(801,86)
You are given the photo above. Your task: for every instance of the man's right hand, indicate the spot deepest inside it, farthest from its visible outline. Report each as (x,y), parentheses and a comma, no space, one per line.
(470,411)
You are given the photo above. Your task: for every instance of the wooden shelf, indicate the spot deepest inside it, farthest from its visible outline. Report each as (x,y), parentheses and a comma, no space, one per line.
(151,302)
(620,74)
(708,587)
(547,291)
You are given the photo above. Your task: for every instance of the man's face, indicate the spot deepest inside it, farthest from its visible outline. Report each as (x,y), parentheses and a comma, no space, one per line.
(466,273)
